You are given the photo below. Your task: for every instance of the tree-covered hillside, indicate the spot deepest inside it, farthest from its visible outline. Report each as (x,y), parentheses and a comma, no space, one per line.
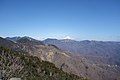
(26,67)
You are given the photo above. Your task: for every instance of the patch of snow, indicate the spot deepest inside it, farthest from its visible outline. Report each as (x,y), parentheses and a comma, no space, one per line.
(67,37)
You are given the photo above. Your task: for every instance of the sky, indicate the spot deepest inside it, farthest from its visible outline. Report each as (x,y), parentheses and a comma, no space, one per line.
(73,19)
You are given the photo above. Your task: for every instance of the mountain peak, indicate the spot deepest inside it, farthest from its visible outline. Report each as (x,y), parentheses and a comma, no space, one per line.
(29,40)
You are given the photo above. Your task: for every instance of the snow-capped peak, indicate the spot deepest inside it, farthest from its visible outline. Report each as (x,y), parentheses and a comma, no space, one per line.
(67,37)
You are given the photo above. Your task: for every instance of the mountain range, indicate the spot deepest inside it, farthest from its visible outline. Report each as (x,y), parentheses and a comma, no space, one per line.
(94,60)
(19,62)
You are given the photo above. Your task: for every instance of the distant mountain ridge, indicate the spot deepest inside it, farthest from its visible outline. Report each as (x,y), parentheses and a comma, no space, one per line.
(88,48)
(13,38)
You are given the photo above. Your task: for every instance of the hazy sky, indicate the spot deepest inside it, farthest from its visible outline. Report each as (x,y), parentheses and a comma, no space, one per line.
(76,19)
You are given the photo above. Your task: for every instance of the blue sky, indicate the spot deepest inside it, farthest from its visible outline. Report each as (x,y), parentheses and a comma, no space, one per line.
(78,19)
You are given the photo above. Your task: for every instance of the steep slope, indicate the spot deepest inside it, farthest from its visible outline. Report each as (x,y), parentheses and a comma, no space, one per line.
(26,67)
